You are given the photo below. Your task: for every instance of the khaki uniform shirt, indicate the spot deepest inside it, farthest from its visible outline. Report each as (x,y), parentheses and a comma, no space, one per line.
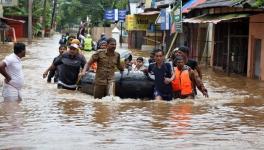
(106,64)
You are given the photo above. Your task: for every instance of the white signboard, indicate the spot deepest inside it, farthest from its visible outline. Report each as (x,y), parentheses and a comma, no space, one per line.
(9,3)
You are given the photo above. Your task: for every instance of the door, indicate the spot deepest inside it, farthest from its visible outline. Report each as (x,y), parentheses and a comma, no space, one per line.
(257,54)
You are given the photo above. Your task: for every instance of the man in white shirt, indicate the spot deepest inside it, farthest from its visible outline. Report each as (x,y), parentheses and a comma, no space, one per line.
(11,69)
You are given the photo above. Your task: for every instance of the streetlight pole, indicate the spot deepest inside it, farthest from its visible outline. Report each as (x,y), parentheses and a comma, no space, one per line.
(30,2)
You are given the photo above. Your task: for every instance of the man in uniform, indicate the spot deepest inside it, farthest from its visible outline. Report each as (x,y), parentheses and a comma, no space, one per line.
(107,60)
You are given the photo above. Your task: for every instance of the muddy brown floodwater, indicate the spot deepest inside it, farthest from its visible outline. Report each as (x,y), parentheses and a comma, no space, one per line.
(48,118)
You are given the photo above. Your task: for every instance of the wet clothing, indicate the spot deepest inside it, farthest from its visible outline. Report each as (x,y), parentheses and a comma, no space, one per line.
(14,70)
(69,69)
(193,78)
(166,96)
(54,72)
(106,64)
(161,89)
(182,82)
(101,91)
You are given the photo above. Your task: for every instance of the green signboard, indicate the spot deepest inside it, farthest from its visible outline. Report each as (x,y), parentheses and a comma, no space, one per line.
(177,16)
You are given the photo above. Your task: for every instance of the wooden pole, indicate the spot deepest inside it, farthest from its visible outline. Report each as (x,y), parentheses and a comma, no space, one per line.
(30,2)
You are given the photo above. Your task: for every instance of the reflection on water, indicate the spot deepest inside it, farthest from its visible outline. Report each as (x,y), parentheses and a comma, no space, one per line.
(48,118)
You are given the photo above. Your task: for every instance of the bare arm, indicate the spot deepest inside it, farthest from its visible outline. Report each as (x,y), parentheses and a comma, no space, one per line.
(3,71)
(198,69)
(51,67)
(197,80)
(119,66)
(87,66)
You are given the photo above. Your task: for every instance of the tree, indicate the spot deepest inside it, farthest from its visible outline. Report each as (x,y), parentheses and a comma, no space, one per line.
(260,3)
(72,12)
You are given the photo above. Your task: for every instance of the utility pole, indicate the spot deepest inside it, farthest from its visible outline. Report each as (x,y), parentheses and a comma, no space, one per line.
(30,2)
(53,13)
(44,18)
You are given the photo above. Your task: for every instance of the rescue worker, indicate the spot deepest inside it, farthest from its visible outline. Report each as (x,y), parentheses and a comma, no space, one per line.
(70,63)
(184,52)
(88,43)
(107,60)
(185,78)
(103,45)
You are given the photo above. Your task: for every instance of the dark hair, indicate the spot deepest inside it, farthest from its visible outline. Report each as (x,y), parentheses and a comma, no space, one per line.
(109,40)
(140,59)
(19,47)
(184,49)
(177,58)
(157,51)
(62,46)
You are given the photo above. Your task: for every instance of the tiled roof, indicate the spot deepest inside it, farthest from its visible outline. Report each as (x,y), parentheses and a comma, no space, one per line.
(224,3)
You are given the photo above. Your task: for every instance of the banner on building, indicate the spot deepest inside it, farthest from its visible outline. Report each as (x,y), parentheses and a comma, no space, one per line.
(177,17)
(139,22)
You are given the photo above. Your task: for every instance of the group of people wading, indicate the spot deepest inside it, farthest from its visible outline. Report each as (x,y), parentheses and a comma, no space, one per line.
(177,77)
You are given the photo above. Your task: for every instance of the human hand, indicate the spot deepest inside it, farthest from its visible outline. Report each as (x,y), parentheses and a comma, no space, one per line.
(81,74)
(205,93)
(7,79)
(45,74)
(167,80)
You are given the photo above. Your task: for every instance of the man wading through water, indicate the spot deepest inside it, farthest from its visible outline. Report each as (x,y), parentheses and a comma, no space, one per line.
(107,60)
(11,69)
(163,76)
(70,64)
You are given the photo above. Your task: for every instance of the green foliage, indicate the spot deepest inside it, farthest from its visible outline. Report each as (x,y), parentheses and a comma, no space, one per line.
(73,11)
(260,3)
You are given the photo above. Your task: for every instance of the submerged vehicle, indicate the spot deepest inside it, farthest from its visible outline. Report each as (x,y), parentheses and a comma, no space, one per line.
(132,84)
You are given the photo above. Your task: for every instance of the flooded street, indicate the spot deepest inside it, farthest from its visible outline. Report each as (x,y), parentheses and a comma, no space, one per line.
(48,118)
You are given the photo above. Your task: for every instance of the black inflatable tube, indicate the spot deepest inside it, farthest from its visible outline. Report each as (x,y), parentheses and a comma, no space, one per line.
(135,85)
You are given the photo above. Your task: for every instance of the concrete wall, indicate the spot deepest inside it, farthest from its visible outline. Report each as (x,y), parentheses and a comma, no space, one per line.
(97,31)
(256,31)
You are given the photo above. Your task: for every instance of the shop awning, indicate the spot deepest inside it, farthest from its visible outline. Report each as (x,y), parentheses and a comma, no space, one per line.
(149,13)
(191,4)
(11,19)
(215,18)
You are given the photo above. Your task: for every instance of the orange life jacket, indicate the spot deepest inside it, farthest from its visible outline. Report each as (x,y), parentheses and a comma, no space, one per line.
(182,82)
(94,67)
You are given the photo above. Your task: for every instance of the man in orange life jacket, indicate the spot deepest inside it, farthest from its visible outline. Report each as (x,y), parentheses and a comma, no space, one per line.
(185,79)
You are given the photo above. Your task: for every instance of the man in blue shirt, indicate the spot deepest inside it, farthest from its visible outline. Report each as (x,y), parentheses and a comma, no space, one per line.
(164,74)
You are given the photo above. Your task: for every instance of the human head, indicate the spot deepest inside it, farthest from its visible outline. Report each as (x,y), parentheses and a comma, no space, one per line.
(75,41)
(20,49)
(152,54)
(158,56)
(62,49)
(73,49)
(102,35)
(185,50)
(103,45)
(179,62)
(140,62)
(67,33)
(111,44)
